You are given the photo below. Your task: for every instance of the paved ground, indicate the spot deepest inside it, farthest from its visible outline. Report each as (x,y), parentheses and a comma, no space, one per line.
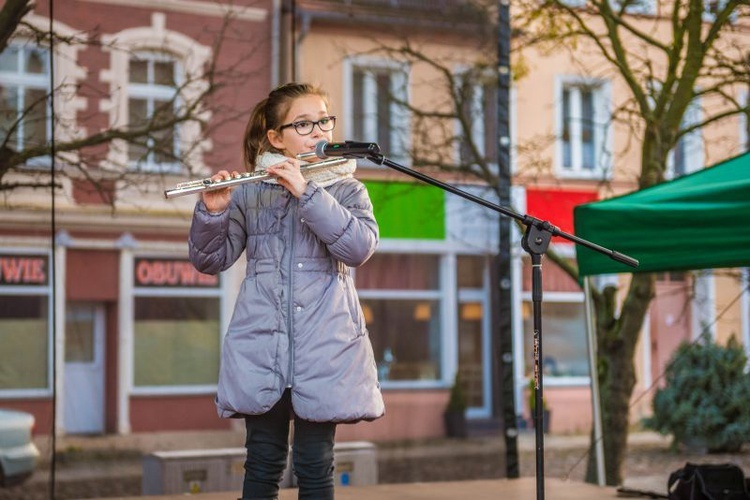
(111,466)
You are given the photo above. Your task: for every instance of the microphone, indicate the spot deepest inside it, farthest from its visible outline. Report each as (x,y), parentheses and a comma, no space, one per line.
(347,149)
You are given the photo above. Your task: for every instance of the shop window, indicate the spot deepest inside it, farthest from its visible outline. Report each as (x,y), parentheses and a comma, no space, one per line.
(564,345)
(564,348)
(473,327)
(400,298)
(176,341)
(470,271)
(24,337)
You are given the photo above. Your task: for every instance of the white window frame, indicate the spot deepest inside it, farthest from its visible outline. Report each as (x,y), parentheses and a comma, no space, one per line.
(23,81)
(443,295)
(481,296)
(217,293)
(193,57)
(478,115)
(601,90)
(400,128)
(553,297)
(703,304)
(46,290)
(644,7)
(557,298)
(151,92)
(709,16)
(692,142)
(68,74)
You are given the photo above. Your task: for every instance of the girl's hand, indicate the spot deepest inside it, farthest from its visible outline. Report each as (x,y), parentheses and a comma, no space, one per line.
(217,200)
(288,174)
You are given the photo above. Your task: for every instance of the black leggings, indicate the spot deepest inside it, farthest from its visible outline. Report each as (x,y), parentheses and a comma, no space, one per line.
(267,446)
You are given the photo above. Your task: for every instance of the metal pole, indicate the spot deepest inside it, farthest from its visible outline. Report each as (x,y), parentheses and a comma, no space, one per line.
(595,402)
(504,290)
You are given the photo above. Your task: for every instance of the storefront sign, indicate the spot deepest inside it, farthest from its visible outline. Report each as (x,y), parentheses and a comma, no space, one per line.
(24,270)
(171,273)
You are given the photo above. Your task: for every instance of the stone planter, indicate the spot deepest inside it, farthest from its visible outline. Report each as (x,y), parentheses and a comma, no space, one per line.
(455,424)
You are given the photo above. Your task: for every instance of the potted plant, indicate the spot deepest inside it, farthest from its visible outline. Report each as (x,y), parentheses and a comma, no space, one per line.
(705,403)
(532,407)
(455,412)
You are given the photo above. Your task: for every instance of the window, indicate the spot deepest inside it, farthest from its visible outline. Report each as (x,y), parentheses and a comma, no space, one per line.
(156,74)
(583,138)
(473,328)
(25,305)
(564,346)
(24,337)
(634,6)
(24,87)
(152,98)
(631,6)
(376,116)
(176,341)
(687,155)
(400,298)
(712,8)
(176,327)
(563,339)
(480,106)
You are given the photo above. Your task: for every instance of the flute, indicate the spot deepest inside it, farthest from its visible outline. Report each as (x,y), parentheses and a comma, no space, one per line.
(208,184)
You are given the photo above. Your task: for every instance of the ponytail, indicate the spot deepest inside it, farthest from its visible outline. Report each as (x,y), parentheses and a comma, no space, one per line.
(256,139)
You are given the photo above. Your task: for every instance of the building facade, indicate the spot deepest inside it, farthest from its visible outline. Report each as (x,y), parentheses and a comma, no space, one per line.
(100,307)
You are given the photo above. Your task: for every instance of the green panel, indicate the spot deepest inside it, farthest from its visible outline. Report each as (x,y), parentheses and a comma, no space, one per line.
(406,210)
(698,221)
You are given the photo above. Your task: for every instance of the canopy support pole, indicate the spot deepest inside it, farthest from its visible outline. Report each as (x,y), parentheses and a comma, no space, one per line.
(596,412)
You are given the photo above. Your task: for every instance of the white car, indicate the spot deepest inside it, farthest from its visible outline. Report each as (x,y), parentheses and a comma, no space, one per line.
(18,454)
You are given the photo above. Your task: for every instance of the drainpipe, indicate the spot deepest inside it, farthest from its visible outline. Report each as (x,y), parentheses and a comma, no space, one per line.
(305,20)
(276,43)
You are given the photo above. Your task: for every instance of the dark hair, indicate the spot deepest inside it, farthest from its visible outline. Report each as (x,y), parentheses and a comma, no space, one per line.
(267,115)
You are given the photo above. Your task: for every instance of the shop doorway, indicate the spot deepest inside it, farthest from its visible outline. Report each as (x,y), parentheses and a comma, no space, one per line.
(83,399)
(473,349)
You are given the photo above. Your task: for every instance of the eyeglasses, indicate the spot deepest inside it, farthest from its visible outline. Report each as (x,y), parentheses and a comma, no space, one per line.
(305,127)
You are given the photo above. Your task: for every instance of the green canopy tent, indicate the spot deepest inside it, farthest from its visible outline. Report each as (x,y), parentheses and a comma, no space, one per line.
(698,221)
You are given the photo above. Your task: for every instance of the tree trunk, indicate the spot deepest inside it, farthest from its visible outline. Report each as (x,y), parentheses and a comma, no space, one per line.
(10,15)
(616,340)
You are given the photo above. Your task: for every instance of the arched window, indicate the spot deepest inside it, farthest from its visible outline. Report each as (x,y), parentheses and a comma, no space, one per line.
(155,78)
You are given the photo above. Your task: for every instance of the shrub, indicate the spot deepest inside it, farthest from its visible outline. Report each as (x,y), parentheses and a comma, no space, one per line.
(457,402)
(706,396)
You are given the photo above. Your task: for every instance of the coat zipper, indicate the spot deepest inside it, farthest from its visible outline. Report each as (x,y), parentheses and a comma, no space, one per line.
(290,297)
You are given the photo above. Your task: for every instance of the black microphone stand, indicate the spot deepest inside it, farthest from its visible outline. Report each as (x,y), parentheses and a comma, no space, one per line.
(535,241)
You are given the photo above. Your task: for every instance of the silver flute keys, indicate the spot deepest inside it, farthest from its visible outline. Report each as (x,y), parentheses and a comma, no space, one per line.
(208,184)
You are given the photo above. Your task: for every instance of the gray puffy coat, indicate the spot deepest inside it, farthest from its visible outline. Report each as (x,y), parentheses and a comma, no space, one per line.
(297,322)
